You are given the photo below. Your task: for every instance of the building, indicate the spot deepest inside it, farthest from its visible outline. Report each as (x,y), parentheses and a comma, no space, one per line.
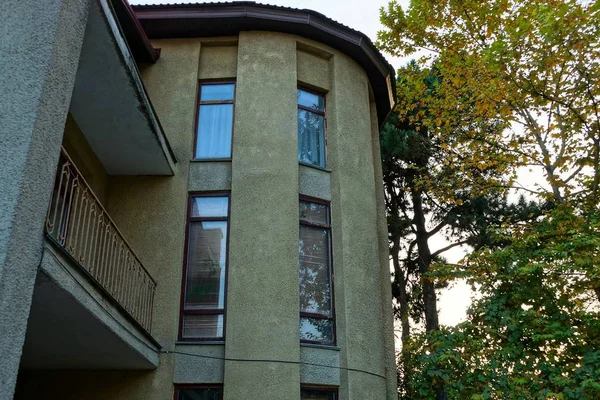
(215,226)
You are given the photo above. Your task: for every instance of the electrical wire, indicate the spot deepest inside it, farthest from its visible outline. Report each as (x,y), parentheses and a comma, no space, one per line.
(200,355)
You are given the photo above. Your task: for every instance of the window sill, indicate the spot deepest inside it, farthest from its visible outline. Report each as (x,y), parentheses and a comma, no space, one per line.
(321,346)
(194,160)
(197,342)
(314,166)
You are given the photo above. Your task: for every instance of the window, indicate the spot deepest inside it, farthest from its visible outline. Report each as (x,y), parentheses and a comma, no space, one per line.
(215,121)
(316,302)
(318,393)
(198,392)
(203,297)
(311,128)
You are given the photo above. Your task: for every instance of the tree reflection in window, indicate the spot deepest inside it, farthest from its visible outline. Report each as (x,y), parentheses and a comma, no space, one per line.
(316,305)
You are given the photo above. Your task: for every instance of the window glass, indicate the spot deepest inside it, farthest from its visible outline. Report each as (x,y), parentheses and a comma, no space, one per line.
(315,288)
(217,92)
(215,126)
(308,394)
(198,394)
(311,138)
(202,326)
(316,330)
(314,272)
(311,100)
(314,212)
(205,281)
(210,206)
(203,299)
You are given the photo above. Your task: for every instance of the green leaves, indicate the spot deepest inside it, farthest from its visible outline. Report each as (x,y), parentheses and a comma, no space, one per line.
(502,86)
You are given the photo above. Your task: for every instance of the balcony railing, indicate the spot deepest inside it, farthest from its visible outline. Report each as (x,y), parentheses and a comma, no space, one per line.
(79,224)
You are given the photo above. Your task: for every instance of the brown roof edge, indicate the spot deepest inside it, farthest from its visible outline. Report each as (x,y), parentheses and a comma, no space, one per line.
(228,19)
(136,37)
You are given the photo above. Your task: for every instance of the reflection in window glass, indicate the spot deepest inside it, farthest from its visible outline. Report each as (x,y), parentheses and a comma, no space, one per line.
(203,299)
(311,128)
(202,326)
(210,206)
(205,281)
(314,271)
(311,100)
(316,330)
(311,138)
(316,213)
(215,121)
(315,290)
(216,92)
(198,394)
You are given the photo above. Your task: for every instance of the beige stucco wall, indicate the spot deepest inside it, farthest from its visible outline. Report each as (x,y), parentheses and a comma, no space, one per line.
(265,181)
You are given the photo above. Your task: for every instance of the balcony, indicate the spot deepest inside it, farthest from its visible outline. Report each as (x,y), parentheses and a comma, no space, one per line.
(110,103)
(93,298)
(79,225)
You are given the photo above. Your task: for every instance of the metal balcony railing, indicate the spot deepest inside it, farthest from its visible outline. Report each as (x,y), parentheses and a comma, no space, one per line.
(78,223)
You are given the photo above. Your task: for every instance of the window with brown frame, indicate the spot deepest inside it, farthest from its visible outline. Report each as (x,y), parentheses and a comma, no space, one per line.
(317,319)
(214,124)
(311,128)
(318,393)
(198,392)
(205,268)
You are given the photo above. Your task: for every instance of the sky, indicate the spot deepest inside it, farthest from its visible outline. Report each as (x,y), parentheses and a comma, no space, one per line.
(363,15)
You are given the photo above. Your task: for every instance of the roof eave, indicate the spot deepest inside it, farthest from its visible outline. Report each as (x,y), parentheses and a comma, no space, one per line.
(194,20)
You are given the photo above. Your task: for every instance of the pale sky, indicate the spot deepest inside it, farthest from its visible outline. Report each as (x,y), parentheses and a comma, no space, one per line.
(363,15)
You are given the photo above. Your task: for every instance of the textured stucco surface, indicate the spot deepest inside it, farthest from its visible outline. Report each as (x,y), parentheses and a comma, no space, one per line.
(387,313)
(73,280)
(210,176)
(354,230)
(151,211)
(265,180)
(262,302)
(313,66)
(85,159)
(218,59)
(314,182)
(40,44)
(319,366)
(192,368)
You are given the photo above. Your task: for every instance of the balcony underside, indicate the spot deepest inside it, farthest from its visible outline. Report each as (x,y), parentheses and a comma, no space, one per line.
(74,325)
(111,106)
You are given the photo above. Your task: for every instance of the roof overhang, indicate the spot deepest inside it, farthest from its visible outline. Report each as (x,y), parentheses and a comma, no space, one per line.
(228,19)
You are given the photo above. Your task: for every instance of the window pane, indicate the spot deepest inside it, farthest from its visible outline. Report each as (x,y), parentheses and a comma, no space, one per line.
(215,123)
(317,395)
(198,394)
(314,212)
(316,330)
(315,287)
(205,280)
(203,326)
(311,138)
(210,206)
(217,92)
(312,100)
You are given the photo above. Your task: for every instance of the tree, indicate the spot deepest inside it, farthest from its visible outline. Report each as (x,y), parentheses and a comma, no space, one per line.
(420,207)
(533,68)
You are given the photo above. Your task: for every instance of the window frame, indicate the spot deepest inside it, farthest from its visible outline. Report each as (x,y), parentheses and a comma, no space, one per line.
(331,272)
(327,389)
(223,311)
(200,103)
(320,112)
(180,387)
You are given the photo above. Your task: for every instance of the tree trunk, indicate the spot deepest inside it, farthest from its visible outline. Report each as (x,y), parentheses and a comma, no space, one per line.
(424,261)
